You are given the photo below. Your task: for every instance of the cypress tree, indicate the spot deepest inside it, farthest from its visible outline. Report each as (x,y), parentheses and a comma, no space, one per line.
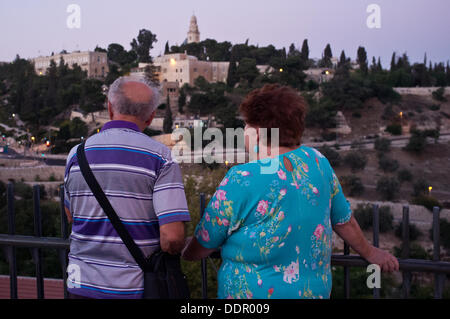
(167,50)
(305,51)
(167,125)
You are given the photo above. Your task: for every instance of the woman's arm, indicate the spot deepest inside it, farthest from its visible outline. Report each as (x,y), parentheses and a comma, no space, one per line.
(194,251)
(352,234)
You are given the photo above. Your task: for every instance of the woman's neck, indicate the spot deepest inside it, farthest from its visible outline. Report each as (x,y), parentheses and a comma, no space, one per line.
(272,152)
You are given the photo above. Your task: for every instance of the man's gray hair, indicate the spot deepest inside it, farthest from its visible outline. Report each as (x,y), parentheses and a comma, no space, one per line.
(121,104)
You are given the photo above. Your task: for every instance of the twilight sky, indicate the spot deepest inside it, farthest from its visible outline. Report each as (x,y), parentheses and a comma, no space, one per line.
(38,27)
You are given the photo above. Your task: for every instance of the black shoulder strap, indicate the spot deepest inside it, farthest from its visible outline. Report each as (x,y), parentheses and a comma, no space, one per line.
(135,251)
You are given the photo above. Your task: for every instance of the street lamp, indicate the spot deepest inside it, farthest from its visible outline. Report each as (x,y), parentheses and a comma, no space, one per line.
(281,70)
(430,188)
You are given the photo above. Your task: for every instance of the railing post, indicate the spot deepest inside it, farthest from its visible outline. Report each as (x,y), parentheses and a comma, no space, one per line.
(376,239)
(406,285)
(38,233)
(346,273)
(203,261)
(438,278)
(64,235)
(12,256)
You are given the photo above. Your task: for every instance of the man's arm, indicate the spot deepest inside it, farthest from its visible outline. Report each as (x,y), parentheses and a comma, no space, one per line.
(352,234)
(69,215)
(172,237)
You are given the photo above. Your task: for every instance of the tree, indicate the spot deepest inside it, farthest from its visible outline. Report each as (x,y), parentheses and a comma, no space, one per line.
(417,142)
(247,70)
(181,101)
(388,187)
(362,60)
(151,73)
(393,62)
(382,145)
(356,160)
(343,67)
(388,164)
(293,50)
(92,99)
(352,185)
(168,123)
(166,49)
(232,77)
(143,44)
(117,54)
(325,62)
(304,53)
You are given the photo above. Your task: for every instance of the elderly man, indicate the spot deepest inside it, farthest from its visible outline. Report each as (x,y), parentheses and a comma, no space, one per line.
(144,186)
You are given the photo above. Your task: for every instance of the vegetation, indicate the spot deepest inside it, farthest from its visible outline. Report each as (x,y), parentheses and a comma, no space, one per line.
(404,175)
(388,164)
(356,160)
(427,201)
(444,229)
(352,185)
(333,157)
(388,187)
(382,145)
(414,232)
(364,215)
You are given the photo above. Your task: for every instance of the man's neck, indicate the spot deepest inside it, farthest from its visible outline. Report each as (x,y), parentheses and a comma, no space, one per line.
(129,118)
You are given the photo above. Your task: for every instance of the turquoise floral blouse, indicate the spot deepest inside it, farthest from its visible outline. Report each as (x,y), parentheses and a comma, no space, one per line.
(275,230)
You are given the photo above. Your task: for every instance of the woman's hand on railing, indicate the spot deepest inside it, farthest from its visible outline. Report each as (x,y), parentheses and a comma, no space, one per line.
(385,260)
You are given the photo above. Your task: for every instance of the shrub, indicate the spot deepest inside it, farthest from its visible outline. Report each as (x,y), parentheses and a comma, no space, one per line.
(444,230)
(435,107)
(364,215)
(427,201)
(329,136)
(417,142)
(388,164)
(352,185)
(394,129)
(439,95)
(356,160)
(404,175)
(420,187)
(382,145)
(333,157)
(415,252)
(414,232)
(388,187)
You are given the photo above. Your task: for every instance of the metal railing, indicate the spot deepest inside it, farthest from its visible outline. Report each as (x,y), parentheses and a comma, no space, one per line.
(36,243)
(406,265)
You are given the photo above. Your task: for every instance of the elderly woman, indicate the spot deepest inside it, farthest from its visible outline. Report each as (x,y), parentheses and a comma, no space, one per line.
(275,230)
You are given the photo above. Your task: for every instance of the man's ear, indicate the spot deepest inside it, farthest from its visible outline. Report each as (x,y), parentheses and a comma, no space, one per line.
(110,111)
(149,121)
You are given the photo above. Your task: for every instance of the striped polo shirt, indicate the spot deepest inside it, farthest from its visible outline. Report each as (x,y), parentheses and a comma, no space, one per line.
(145,188)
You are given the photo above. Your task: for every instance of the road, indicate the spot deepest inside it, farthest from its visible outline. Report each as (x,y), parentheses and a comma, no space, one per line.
(198,156)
